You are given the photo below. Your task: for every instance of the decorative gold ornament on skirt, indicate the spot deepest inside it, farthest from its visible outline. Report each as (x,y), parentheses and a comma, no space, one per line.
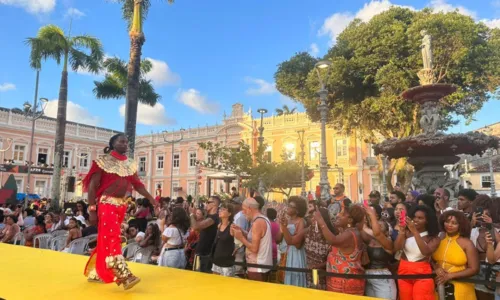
(122,168)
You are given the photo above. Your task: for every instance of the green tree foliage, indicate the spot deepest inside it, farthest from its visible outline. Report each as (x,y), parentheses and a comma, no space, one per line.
(277,177)
(285,110)
(374,62)
(237,160)
(134,12)
(75,53)
(114,85)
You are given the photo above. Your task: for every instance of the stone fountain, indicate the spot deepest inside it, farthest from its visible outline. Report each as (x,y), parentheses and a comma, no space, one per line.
(431,150)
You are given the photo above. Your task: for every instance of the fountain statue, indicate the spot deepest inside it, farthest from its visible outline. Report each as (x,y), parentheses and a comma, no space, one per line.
(431,150)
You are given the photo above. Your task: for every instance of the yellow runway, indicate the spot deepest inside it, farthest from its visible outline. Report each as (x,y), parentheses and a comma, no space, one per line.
(27,273)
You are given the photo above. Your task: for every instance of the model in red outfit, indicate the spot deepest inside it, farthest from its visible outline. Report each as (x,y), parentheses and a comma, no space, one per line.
(108,182)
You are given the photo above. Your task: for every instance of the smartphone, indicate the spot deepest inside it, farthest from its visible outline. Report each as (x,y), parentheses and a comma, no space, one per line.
(492,232)
(402,218)
(480,211)
(365,203)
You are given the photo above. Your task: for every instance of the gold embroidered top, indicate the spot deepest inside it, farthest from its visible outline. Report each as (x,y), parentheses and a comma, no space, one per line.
(112,165)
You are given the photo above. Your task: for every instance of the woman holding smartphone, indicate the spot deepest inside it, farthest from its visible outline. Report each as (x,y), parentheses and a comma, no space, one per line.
(493,254)
(456,256)
(380,252)
(418,239)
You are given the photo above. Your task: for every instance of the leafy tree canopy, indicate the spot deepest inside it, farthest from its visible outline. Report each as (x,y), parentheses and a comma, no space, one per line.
(285,110)
(114,85)
(374,62)
(278,177)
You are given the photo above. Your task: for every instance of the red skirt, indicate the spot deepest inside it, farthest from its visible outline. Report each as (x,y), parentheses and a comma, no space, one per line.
(106,262)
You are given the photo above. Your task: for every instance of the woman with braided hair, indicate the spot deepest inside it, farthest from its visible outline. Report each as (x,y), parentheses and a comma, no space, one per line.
(109,181)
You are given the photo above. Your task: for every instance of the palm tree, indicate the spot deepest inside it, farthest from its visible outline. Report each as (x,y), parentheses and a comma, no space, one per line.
(114,85)
(285,110)
(134,12)
(51,42)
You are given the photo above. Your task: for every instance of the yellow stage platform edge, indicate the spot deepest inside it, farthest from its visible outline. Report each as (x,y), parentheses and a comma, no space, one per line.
(27,273)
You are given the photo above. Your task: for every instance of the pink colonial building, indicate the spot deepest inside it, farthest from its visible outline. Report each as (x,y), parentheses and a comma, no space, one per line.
(172,166)
(82,145)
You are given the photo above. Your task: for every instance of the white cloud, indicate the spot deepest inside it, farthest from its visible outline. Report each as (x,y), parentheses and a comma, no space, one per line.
(495,23)
(32,6)
(150,115)
(314,49)
(263,87)
(74,113)
(337,22)
(194,99)
(445,7)
(7,86)
(161,74)
(73,13)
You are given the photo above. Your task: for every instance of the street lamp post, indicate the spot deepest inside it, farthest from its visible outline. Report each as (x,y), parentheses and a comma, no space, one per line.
(302,155)
(261,111)
(384,180)
(34,113)
(323,110)
(491,154)
(173,141)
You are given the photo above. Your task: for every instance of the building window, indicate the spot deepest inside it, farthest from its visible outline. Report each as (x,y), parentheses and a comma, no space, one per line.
(19,183)
(341,148)
(142,164)
(376,185)
(486,181)
(43,155)
(268,154)
(192,159)
(210,158)
(84,160)
(175,189)
(159,162)
(371,150)
(191,188)
(314,150)
(290,151)
(177,161)
(40,187)
(19,153)
(66,159)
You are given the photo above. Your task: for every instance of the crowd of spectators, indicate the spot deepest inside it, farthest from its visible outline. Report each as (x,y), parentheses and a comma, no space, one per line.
(407,233)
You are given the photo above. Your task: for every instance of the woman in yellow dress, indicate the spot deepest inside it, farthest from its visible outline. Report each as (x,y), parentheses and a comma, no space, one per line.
(456,256)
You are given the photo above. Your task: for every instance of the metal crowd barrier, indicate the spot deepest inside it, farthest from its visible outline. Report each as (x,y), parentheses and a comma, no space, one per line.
(316,273)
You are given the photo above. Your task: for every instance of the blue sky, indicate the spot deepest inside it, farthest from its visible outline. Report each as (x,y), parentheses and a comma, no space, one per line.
(206,55)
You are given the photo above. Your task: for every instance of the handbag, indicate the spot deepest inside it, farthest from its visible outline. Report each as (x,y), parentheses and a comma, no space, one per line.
(449,291)
(365,258)
(280,275)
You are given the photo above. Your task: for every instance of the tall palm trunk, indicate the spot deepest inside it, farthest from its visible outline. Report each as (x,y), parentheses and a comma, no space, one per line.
(136,41)
(60,134)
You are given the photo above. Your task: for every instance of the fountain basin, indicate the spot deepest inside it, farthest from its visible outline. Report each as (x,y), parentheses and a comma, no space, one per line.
(472,143)
(429,92)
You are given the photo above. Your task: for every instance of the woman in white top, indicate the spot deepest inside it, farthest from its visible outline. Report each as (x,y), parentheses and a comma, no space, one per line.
(174,238)
(418,239)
